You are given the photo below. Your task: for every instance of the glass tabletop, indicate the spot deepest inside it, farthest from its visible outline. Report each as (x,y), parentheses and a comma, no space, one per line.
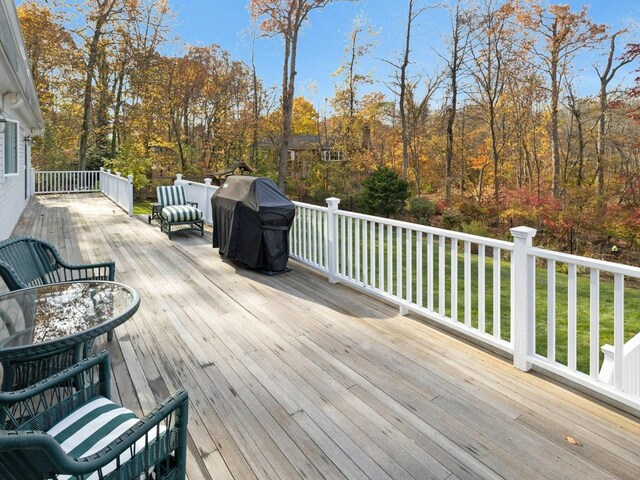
(50,312)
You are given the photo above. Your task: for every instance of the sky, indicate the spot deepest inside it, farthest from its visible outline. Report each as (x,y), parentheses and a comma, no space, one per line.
(322,43)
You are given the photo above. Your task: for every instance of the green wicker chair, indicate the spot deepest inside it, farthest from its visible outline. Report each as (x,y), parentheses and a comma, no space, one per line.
(67,427)
(28,262)
(176,213)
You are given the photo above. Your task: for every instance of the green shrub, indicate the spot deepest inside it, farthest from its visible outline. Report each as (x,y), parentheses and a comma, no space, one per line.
(422,209)
(476,228)
(384,193)
(452,219)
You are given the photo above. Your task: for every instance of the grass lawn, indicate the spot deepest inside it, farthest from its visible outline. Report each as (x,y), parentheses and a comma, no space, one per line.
(142,207)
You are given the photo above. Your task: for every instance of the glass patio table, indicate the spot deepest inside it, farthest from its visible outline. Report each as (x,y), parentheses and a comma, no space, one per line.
(46,329)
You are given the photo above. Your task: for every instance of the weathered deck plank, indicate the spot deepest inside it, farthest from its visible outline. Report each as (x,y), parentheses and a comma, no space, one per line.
(291,377)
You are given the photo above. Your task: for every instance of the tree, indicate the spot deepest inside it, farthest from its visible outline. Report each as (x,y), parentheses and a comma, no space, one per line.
(285,18)
(100,14)
(493,52)
(346,100)
(561,34)
(384,193)
(606,76)
(633,50)
(458,49)
(55,62)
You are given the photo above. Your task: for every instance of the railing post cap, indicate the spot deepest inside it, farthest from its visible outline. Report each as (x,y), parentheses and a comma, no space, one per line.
(130,178)
(207,181)
(118,174)
(523,232)
(108,170)
(178,176)
(102,169)
(332,201)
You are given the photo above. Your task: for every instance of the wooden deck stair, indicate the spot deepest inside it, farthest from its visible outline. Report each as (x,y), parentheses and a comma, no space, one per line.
(291,377)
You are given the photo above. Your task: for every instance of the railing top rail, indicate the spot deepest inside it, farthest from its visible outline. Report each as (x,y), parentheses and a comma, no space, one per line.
(586,262)
(191,182)
(465,237)
(311,206)
(114,176)
(67,171)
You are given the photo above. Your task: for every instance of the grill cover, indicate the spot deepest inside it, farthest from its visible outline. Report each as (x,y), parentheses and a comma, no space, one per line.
(251,222)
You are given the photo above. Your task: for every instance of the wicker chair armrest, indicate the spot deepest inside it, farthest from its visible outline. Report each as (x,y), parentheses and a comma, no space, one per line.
(101,359)
(11,277)
(110,266)
(193,204)
(52,459)
(177,403)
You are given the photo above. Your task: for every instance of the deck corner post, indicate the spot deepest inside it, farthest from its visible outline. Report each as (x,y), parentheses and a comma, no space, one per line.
(206,201)
(130,195)
(332,242)
(522,294)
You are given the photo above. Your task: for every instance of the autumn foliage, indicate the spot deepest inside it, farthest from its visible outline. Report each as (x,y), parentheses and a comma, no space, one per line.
(512,139)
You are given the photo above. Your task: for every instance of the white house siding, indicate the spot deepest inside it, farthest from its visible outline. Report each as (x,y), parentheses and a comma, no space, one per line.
(18,102)
(12,189)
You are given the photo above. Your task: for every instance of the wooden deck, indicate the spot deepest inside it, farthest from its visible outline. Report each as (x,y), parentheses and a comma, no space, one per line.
(291,377)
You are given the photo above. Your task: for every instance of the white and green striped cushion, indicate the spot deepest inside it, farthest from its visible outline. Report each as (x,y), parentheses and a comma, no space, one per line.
(181,213)
(172,195)
(94,426)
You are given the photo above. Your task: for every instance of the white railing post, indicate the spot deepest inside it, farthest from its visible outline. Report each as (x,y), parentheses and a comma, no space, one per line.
(32,183)
(205,207)
(523,294)
(178,180)
(332,241)
(118,200)
(130,194)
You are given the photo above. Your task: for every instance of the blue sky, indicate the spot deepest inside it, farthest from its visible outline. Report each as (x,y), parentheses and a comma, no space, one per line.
(321,46)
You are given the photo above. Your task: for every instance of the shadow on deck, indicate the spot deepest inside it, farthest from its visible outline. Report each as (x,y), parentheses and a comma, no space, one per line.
(291,377)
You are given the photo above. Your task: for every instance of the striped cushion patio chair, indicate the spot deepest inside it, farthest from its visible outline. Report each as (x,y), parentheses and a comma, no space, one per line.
(52,431)
(177,213)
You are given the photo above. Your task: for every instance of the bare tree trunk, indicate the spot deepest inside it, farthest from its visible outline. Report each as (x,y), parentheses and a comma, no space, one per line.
(577,115)
(402,93)
(256,107)
(116,115)
(459,42)
(605,78)
(288,82)
(463,160)
(494,152)
(555,138)
(602,168)
(88,98)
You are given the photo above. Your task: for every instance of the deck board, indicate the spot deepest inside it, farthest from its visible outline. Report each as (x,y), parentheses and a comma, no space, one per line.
(292,377)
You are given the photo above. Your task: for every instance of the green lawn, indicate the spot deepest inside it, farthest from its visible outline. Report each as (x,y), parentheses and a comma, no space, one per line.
(632,297)
(142,207)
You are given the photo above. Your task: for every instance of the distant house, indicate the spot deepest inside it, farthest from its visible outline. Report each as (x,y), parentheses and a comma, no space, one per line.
(304,151)
(20,119)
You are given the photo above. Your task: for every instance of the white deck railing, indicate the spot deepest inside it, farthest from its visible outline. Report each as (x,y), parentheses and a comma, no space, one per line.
(485,288)
(65,181)
(118,188)
(594,303)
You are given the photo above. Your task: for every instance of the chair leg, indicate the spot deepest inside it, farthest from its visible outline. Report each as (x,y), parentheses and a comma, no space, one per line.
(110,335)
